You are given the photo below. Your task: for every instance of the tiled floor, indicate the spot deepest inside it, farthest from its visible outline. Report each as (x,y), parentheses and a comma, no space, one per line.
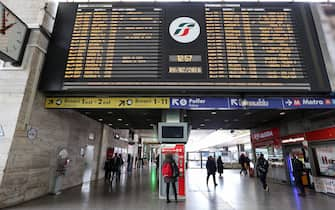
(139,191)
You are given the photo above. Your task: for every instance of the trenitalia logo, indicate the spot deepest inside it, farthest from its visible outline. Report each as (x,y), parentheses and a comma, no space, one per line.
(184,29)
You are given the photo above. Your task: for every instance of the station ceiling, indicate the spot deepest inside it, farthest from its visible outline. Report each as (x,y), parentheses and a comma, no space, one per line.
(201,119)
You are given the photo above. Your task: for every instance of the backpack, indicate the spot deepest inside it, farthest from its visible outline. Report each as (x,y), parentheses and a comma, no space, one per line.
(167,170)
(175,170)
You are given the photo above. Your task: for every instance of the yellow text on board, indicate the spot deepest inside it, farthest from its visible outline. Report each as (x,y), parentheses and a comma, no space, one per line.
(107,102)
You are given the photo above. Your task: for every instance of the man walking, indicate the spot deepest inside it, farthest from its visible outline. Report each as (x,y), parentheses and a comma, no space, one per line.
(211,169)
(115,167)
(107,168)
(262,168)
(298,169)
(242,162)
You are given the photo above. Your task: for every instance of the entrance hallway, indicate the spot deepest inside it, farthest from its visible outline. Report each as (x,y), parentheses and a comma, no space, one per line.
(139,192)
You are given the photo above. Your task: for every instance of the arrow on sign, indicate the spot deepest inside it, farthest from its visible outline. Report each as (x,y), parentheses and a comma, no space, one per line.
(122,103)
(288,102)
(234,102)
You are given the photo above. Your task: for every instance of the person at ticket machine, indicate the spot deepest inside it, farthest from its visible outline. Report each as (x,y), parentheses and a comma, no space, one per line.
(170,172)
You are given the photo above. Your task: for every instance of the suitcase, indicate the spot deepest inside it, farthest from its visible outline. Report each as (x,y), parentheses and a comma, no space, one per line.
(251,172)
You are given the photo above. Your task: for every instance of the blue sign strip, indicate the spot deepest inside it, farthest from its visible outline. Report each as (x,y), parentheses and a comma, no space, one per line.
(198,103)
(232,103)
(308,103)
(256,103)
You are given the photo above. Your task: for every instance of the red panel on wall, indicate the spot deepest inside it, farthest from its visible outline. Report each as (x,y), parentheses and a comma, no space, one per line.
(322,134)
(266,137)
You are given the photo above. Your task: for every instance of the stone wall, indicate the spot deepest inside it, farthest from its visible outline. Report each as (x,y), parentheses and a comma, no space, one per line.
(18,86)
(31,164)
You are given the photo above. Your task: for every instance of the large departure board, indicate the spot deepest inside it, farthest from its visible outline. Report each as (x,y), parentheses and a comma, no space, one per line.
(112,42)
(253,43)
(243,47)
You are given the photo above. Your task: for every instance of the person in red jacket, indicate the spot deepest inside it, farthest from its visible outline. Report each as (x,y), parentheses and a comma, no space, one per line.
(170,173)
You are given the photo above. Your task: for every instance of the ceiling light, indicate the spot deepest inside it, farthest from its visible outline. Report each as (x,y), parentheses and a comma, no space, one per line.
(109,112)
(119,119)
(126,124)
(282,113)
(213,112)
(235,120)
(110,124)
(207,120)
(226,120)
(100,119)
(202,124)
(152,125)
(185,115)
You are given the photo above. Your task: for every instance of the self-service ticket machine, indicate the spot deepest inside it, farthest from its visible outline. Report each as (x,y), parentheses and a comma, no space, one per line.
(173,137)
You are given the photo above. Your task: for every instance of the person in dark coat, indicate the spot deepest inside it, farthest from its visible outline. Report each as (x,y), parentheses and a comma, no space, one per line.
(262,168)
(171,179)
(220,165)
(211,169)
(115,167)
(107,168)
(298,169)
(120,163)
(242,162)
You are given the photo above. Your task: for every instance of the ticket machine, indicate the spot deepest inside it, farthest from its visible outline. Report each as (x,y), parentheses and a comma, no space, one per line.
(178,153)
(173,137)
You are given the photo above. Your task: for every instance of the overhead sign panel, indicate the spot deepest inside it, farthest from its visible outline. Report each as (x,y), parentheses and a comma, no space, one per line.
(107,102)
(195,103)
(148,46)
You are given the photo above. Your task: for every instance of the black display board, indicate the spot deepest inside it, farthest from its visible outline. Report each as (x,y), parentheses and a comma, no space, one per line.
(208,46)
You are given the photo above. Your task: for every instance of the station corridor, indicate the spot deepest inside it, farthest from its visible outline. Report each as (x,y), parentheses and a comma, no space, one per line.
(139,191)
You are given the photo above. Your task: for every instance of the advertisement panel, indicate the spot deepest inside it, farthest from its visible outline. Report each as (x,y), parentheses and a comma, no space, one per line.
(269,136)
(326,159)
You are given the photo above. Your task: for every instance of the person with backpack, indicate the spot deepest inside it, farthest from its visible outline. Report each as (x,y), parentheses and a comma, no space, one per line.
(262,168)
(298,169)
(211,169)
(170,172)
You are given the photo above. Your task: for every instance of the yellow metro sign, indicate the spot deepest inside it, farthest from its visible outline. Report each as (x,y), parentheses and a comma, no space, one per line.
(107,102)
